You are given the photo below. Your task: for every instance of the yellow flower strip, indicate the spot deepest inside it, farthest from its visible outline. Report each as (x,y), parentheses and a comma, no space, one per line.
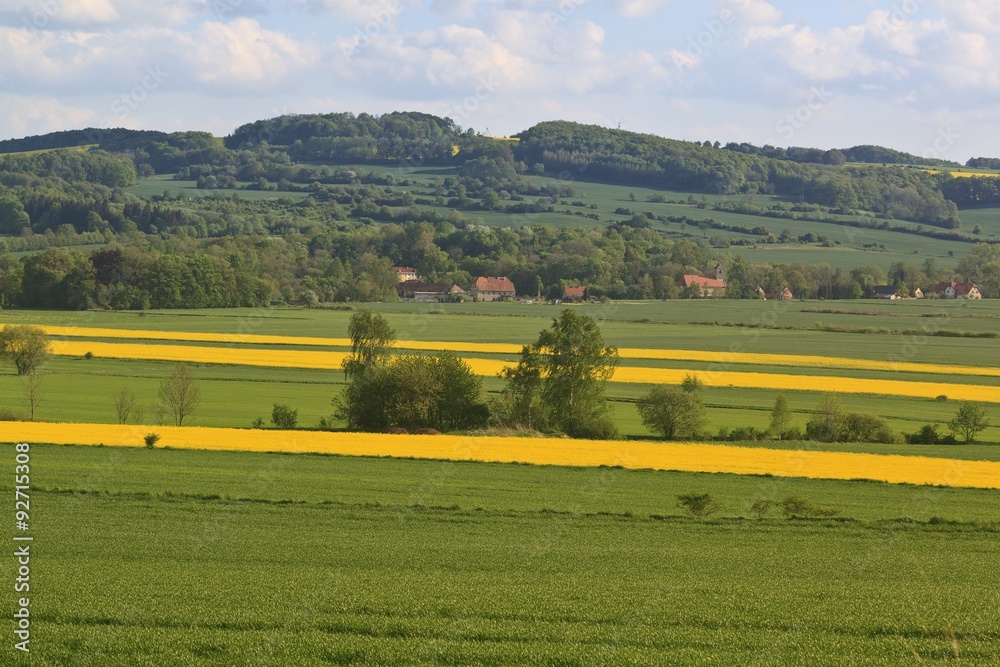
(541,451)
(724,358)
(492,367)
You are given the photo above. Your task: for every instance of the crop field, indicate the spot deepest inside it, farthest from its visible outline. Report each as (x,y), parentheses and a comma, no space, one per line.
(169,557)
(894,368)
(227,545)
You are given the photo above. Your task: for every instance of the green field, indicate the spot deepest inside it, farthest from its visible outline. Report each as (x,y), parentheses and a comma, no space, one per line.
(76,389)
(197,558)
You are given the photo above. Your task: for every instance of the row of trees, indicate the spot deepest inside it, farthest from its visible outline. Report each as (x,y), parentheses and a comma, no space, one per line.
(677,412)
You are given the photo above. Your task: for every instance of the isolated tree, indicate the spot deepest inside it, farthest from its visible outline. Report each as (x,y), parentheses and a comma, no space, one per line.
(284,417)
(826,424)
(691,384)
(362,402)
(672,412)
(521,400)
(33,393)
(781,416)
(124,404)
(25,346)
(574,366)
(180,395)
(969,421)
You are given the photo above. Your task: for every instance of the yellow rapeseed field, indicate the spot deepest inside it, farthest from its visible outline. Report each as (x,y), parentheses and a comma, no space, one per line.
(722,358)
(539,451)
(492,367)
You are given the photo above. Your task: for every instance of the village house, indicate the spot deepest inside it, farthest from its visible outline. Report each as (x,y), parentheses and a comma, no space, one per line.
(918,293)
(884,292)
(954,290)
(714,285)
(404,273)
(574,294)
(493,289)
(421,292)
(784,295)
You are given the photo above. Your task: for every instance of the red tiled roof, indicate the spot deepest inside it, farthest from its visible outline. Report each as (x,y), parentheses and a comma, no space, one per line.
(491,284)
(960,288)
(574,292)
(702,281)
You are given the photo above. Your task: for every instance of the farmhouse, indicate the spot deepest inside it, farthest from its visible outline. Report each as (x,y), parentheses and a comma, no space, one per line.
(493,289)
(419,291)
(884,292)
(954,290)
(404,273)
(574,294)
(784,295)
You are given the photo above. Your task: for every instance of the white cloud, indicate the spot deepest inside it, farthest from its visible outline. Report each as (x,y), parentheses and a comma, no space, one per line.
(638,8)
(22,115)
(234,57)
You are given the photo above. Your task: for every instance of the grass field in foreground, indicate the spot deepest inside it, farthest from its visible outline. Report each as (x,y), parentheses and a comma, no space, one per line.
(540,451)
(150,557)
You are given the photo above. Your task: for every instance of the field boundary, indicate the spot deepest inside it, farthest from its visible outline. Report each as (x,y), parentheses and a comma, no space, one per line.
(704,458)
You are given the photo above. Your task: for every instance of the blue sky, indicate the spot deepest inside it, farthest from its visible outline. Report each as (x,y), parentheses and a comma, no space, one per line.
(917,75)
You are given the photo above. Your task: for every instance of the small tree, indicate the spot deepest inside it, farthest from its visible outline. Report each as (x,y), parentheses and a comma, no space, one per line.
(781,416)
(124,404)
(701,505)
(27,347)
(825,426)
(180,395)
(969,421)
(284,417)
(691,384)
(671,412)
(33,393)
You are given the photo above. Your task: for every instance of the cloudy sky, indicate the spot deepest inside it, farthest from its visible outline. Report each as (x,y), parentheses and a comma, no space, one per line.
(917,75)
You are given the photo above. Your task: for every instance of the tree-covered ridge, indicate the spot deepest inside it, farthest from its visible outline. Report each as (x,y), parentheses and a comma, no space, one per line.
(592,152)
(345,137)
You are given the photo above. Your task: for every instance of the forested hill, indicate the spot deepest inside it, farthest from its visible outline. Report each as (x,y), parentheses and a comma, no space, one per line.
(291,150)
(596,153)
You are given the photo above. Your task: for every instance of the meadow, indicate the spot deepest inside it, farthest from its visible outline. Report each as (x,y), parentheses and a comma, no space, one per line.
(848,247)
(204,558)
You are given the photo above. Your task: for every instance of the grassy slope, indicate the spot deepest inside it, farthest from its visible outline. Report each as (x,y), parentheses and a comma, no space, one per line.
(385,562)
(849,254)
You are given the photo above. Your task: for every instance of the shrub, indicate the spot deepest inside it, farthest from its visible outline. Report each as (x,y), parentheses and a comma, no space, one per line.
(88,355)
(257,423)
(797,506)
(927,435)
(761,508)
(701,505)
(941,398)
(284,417)
(151,440)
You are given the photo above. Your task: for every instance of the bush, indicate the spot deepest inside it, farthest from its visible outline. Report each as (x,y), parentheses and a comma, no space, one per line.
(797,506)
(701,505)
(7,415)
(284,417)
(88,355)
(257,423)
(761,508)
(927,435)
(151,440)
